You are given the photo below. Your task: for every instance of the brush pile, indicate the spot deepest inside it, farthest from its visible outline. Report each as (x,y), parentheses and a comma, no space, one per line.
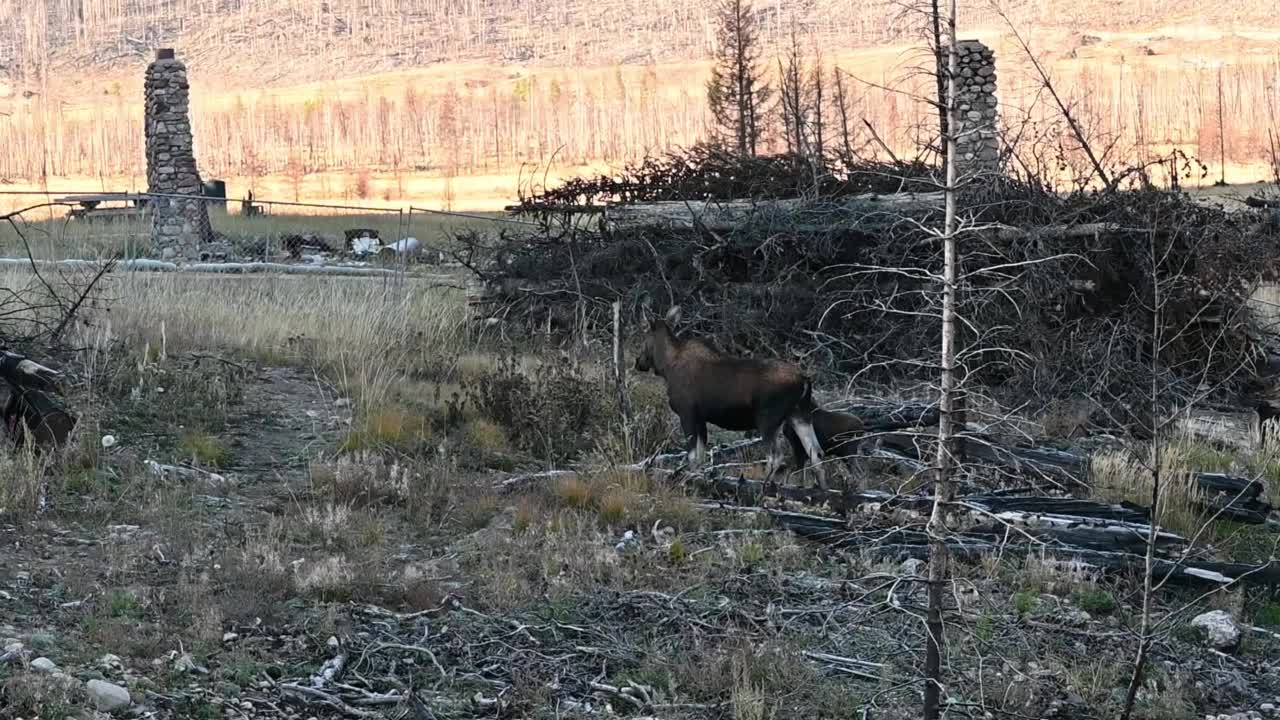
(1061,295)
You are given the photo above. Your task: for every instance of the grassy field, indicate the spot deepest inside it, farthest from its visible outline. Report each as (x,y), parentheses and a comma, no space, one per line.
(356,434)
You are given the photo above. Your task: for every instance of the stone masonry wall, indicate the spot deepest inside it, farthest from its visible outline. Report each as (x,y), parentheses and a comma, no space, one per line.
(178,227)
(978,144)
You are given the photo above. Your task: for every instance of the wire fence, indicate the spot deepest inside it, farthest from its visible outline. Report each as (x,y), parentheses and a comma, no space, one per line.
(95,225)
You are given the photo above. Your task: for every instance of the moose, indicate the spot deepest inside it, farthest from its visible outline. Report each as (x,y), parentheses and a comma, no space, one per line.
(731,392)
(835,432)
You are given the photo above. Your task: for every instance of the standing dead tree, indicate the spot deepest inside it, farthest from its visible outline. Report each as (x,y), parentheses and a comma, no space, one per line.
(937,528)
(737,92)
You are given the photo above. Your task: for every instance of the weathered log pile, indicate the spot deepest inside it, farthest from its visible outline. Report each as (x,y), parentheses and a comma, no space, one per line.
(1060,287)
(1032,505)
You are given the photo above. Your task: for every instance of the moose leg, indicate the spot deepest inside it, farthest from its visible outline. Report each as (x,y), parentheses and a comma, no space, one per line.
(696,432)
(769,428)
(809,439)
(700,446)
(798,453)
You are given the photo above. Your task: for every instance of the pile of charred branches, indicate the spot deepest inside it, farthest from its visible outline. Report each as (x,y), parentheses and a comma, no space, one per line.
(845,273)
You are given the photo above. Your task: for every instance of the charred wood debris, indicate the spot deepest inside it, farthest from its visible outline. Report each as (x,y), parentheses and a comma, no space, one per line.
(766,262)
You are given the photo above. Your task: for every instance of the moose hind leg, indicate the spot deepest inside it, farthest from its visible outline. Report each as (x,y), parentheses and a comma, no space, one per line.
(803,427)
(769,435)
(799,455)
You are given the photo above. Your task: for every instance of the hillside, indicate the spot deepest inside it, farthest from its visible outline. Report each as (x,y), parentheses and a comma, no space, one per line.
(447,103)
(245,40)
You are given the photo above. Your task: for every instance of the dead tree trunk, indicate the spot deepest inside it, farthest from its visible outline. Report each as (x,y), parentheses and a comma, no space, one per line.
(937,527)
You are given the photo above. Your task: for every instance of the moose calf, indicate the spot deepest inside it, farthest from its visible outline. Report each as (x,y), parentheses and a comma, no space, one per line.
(835,431)
(734,393)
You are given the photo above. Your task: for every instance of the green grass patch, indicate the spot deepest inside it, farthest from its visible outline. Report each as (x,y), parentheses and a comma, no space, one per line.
(1095,600)
(1268,616)
(204,449)
(1024,602)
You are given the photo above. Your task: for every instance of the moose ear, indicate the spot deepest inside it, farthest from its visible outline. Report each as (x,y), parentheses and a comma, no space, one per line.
(673,315)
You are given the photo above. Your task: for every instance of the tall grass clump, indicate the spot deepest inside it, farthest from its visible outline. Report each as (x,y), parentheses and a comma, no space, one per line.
(1118,476)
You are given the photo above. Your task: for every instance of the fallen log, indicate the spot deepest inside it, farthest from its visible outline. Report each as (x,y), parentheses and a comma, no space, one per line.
(884,417)
(971,549)
(1007,233)
(727,215)
(1230,497)
(1047,511)
(1039,464)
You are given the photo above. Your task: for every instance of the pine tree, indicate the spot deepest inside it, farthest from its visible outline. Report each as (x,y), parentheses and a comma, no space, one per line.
(737,92)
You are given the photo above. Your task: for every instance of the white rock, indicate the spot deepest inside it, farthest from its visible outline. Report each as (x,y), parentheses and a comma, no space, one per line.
(43,665)
(108,697)
(110,662)
(1221,631)
(108,441)
(911,567)
(1267,708)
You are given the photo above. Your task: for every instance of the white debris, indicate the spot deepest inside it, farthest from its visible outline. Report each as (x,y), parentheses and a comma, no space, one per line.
(108,441)
(407,246)
(911,567)
(362,246)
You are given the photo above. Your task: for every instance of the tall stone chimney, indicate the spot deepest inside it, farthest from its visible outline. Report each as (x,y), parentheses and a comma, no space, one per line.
(977,139)
(178,226)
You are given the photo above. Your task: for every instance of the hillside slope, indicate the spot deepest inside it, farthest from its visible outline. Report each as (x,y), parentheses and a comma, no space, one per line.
(449,102)
(276,42)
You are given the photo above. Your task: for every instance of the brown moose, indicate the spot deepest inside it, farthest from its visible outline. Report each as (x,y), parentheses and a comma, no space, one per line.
(835,432)
(734,393)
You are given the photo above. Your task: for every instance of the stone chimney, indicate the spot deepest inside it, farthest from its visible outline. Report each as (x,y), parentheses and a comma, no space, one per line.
(178,226)
(977,140)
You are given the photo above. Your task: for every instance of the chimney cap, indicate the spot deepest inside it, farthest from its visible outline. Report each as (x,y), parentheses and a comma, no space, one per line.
(164,53)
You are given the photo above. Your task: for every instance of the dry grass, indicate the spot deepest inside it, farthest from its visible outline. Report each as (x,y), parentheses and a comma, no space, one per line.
(23,476)
(1118,476)
(362,333)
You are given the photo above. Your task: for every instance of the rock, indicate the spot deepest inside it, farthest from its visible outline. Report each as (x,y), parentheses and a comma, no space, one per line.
(1267,708)
(44,665)
(106,696)
(1221,631)
(109,663)
(912,567)
(1076,618)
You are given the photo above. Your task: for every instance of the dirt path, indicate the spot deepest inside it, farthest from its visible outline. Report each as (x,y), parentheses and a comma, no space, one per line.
(108,578)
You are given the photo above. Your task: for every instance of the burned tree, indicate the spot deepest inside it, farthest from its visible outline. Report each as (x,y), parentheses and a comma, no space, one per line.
(737,92)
